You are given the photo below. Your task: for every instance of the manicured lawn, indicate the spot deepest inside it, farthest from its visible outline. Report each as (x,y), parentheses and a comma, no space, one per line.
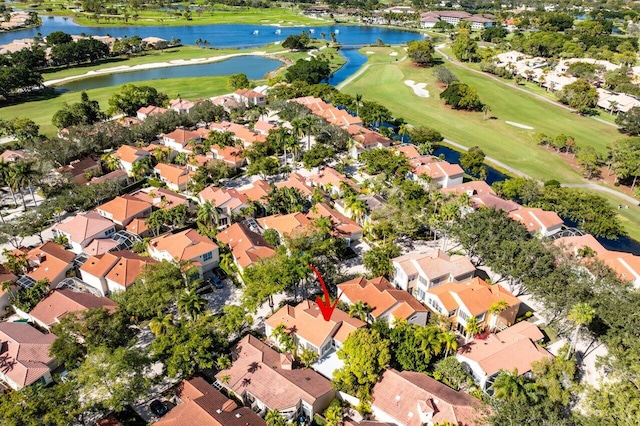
(512,145)
(184,52)
(41,111)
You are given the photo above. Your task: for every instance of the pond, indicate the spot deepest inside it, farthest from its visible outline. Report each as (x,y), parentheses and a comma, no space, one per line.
(354,59)
(255,67)
(224,35)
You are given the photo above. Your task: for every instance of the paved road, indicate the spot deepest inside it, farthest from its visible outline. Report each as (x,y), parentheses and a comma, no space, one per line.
(633,201)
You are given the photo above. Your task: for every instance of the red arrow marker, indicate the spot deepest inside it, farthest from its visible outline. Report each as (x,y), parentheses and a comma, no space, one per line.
(325,306)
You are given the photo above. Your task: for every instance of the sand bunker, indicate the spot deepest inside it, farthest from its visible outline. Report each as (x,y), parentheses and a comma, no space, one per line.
(393,54)
(522,126)
(418,88)
(368,52)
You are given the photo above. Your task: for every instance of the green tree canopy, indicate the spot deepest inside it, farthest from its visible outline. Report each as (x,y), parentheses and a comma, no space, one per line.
(131,98)
(420,52)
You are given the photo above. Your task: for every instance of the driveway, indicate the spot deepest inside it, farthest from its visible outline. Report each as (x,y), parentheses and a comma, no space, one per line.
(227,295)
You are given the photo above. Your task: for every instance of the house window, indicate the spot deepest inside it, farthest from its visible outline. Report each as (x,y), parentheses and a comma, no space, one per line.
(481,317)
(110,231)
(452,313)
(207,256)
(423,281)
(420,293)
(463,315)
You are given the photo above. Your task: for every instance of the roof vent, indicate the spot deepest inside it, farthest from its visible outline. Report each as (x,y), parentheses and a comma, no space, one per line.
(218,411)
(307,378)
(238,415)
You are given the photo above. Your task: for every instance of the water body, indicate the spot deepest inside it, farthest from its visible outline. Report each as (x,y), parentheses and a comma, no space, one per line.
(453,156)
(226,35)
(255,67)
(354,59)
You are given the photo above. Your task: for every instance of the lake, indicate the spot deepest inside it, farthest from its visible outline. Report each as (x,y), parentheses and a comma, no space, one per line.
(224,35)
(255,67)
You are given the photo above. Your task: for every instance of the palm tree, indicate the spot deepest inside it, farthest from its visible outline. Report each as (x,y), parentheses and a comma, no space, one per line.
(141,168)
(191,304)
(310,126)
(110,162)
(285,340)
(472,328)
(358,101)
(403,130)
(359,310)
(160,324)
(510,386)
(274,418)
(450,342)
(21,175)
(495,310)
(430,338)
(208,215)
(161,154)
(486,109)
(308,357)
(5,177)
(358,210)
(580,314)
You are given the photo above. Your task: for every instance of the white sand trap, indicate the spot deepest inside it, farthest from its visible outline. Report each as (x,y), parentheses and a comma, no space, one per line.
(522,126)
(368,52)
(393,54)
(418,88)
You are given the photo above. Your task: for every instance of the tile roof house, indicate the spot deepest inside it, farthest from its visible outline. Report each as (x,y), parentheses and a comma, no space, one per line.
(176,177)
(11,156)
(386,302)
(187,245)
(123,209)
(294,180)
(113,271)
(249,97)
(365,139)
(473,298)
(481,195)
(49,261)
(128,155)
(231,155)
(286,224)
(415,399)
(310,329)
(119,175)
(625,265)
(418,272)
(372,203)
(163,198)
(79,169)
(146,111)
(486,358)
(59,303)
(330,179)
(180,138)
(333,115)
(228,201)
(343,226)
(241,133)
(25,355)
(246,245)
(84,228)
(409,151)
(538,221)
(181,106)
(266,380)
(203,405)
(101,246)
(442,173)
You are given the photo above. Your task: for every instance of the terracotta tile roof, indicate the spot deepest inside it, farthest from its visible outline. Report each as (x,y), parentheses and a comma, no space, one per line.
(160,197)
(367,138)
(176,175)
(434,167)
(79,167)
(58,303)
(181,104)
(247,136)
(230,198)
(475,294)
(248,93)
(535,219)
(286,224)
(264,373)
(306,321)
(100,246)
(122,208)
(151,110)
(114,175)
(408,151)
(497,351)
(327,111)
(130,154)
(435,265)
(48,261)
(343,225)
(137,226)
(411,398)
(127,268)
(203,405)
(182,136)
(99,266)
(258,190)
(9,156)
(578,242)
(296,181)
(247,246)
(185,245)
(328,176)
(381,296)
(232,155)
(84,226)
(263,126)
(25,352)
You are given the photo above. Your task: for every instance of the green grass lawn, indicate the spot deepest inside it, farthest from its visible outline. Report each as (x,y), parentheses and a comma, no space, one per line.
(184,52)
(509,144)
(42,110)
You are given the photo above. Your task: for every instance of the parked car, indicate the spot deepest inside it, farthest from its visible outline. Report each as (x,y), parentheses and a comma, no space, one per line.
(158,407)
(217,282)
(220,273)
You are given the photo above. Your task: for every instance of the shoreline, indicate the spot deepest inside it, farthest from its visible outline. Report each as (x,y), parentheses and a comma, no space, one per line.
(142,67)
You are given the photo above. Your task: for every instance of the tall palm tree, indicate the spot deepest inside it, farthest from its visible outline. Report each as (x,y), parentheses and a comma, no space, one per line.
(580,314)
(310,126)
(5,178)
(403,130)
(472,328)
(510,386)
(430,338)
(208,215)
(308,357)
(358,99)
(110,162)
(160,324)
(191,304)
(495,310)
(274,418)
(450,342)
(359,310)
(21,175)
